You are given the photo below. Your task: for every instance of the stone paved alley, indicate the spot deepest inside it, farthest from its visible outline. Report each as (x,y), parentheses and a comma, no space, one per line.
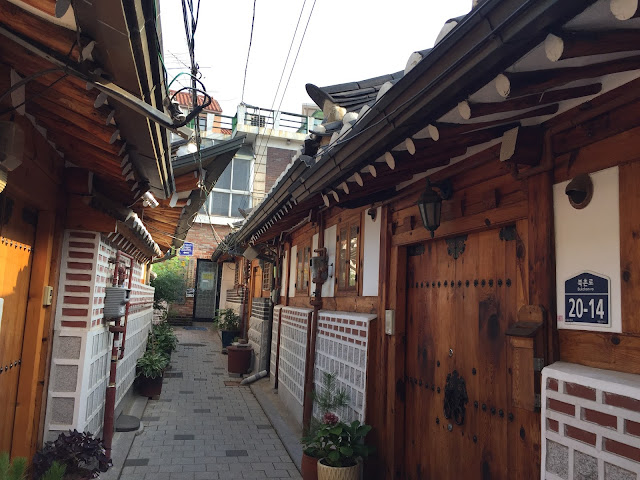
(205,426)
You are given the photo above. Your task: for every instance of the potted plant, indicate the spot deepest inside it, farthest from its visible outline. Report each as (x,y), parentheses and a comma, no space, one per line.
(327,400)
(79,455)
(151,367)
(228,322)
(163,338)
(342,448)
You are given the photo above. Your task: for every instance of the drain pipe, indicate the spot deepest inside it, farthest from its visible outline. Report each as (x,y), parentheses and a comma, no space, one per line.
(253,378)
(316,301)
(110,398)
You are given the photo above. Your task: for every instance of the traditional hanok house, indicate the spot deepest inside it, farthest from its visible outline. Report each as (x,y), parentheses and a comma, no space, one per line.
(85,157)
(474,224)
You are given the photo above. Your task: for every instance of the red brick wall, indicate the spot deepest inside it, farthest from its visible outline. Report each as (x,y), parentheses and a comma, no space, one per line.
(204,245)
(590,423)
(277,160)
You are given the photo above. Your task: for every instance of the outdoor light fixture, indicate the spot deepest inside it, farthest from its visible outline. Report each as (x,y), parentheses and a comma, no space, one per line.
(430,204)
(192,147)
(148,200)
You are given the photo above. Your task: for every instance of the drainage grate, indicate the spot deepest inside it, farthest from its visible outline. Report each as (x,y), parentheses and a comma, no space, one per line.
(137,462)
(173,375)
(192,344)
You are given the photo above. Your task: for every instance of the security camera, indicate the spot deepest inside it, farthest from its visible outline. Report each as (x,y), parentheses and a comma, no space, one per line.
(580,191)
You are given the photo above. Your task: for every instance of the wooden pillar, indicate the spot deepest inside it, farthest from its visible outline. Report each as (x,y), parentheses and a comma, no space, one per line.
(25,428)
(542,265)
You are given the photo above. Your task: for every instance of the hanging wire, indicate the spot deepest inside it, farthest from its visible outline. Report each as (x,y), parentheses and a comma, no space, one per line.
(246,66)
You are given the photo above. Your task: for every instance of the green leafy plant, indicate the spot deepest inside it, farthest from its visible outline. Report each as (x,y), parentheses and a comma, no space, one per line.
(342,444)
(328,399)
(227,319)
(162,338)
(56,472)
(152,364)
(169,283)
(80,454)
(12,470)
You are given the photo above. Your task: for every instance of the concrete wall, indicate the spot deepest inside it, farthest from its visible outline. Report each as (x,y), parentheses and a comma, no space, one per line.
(590,423)
(82,342)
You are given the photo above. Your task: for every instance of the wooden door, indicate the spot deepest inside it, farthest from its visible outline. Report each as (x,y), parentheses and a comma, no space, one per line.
(17,234)
(461,297)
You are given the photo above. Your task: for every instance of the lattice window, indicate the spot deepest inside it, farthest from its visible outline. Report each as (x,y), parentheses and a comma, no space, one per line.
(302,278)
(348,245)
(267,276)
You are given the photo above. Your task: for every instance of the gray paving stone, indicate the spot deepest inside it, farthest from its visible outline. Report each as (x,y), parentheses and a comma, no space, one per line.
(201,428)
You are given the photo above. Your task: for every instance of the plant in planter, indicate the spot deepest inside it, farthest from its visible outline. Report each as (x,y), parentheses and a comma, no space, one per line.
(17,469)
(151,367)
(342,448)
(81,455)
(328,399)
(163,339)
(228,322)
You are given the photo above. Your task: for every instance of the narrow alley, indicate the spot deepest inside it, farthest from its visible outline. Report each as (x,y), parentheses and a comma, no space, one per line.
(204,425)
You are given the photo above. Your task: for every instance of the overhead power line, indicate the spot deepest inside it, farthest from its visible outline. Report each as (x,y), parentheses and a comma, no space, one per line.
(246,66)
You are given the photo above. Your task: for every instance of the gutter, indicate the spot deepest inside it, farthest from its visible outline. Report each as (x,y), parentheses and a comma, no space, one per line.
(468,58)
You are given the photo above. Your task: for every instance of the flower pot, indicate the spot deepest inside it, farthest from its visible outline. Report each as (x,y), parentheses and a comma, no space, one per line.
(325,472)
(309,467)
(149,387)
(228,336)
(239,358)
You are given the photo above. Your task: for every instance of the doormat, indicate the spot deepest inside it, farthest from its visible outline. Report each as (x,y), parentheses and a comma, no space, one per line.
(195,328)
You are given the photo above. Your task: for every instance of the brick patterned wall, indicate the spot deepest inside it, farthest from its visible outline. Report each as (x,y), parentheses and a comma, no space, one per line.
(204,244)
(341,348)
(277,161)
(82,342)
(259,332)
(590,423)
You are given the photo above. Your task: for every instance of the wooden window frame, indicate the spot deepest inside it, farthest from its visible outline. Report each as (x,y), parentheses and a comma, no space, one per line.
(348,224)
(267,277)
(302,265)
(236,280)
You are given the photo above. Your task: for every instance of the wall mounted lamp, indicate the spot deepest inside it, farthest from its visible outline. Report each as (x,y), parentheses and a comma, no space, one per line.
(430,204)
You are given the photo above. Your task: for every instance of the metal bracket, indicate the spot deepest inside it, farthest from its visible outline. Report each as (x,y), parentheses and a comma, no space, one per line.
(537,401)
(538,364)
(456,246)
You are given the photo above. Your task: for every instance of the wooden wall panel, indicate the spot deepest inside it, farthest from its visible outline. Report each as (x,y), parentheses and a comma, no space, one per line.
(610,351)
(630,246)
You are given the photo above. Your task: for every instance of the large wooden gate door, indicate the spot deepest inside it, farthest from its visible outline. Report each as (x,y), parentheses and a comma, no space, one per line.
(461,298)
(17,235)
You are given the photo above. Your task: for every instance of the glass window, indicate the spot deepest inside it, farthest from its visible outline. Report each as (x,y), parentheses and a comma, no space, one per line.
(225,179)
(202,122)
(241,174)
(239,201)
(348,256)
(220,203)
(302,277)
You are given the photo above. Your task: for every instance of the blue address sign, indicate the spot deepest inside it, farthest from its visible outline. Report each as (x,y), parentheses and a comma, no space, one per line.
(186,250)
(586,299)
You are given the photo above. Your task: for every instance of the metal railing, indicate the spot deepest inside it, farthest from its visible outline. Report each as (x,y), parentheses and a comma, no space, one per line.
(265,118)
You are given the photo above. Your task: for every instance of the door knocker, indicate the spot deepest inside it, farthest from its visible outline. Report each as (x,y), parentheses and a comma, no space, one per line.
(455,398)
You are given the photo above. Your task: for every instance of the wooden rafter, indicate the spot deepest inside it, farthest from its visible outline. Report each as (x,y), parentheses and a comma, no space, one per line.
(524,83)
(625,9)
(469,110)
(566,45)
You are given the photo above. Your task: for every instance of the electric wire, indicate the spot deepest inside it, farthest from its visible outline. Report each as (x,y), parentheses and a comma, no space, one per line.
(34,96)
(246,66)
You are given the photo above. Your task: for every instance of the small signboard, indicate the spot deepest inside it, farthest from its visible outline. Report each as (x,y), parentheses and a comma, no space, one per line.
(186,250)
(191,292)
(587,299)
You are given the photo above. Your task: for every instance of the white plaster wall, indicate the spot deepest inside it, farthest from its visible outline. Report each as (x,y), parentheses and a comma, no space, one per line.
(371,263)
(330,244)
(589,240)
(293,271)
(228,278)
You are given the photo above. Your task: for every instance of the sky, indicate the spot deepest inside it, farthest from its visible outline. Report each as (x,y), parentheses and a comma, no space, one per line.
(345,40)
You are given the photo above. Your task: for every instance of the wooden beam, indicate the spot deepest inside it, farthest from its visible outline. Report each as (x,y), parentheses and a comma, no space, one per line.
(78,181)
(474,161)
(97,128)
(583,44)
(524,83)
(522,145)
(625,9)
(609,351)
(469,110)
(59,39)
(630,246)
(186,182)
(453,131)
(46,6)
